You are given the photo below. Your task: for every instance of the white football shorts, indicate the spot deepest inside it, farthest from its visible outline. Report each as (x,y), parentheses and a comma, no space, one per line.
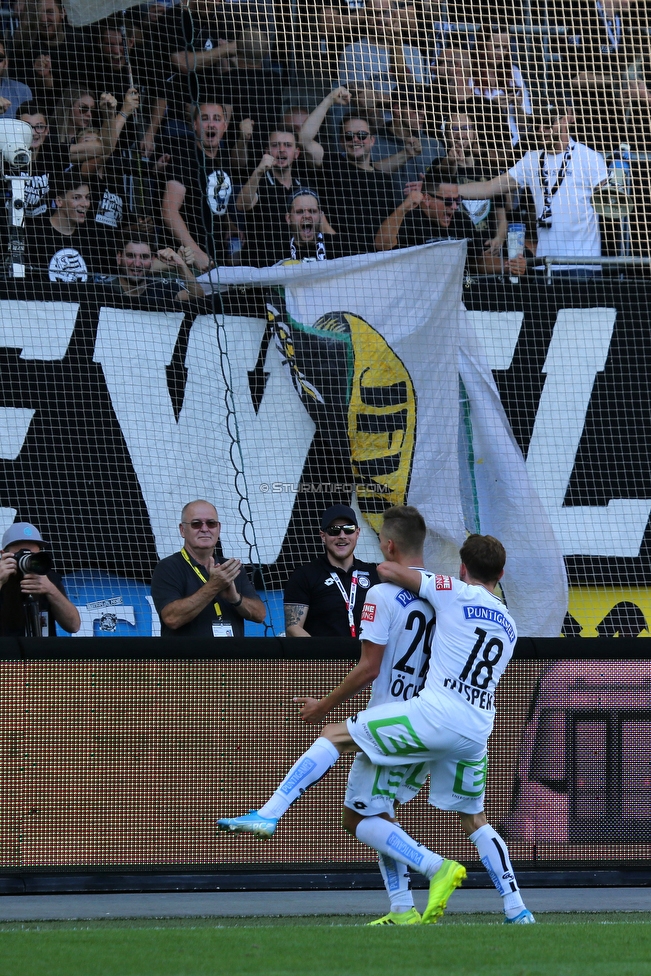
(404,733)
(372,790)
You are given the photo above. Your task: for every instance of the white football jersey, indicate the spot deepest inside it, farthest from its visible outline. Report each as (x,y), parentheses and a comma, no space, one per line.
(474,640)
(403,622)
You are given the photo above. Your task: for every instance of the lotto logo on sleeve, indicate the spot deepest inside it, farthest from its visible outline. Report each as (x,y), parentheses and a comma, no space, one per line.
(443,582)
(368,612)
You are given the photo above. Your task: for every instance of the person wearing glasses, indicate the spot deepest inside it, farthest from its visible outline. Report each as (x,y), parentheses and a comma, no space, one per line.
(46,159)
(198,594)
(359,193)
(324,598)
(12,93)
(429,214)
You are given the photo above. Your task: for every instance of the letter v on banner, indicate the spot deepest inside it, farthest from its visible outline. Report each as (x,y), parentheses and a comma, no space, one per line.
(176,461)
(577,352)
(41,331)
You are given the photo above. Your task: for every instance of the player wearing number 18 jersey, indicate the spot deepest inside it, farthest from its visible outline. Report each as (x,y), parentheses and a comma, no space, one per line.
(447,724)
(474,641)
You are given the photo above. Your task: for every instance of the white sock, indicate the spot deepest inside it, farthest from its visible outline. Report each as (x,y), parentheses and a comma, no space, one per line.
(389,838)
(397,883)
(305,772)
(494,856)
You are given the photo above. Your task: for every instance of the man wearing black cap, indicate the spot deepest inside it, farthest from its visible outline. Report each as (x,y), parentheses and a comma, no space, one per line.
(43,588)
(325,598)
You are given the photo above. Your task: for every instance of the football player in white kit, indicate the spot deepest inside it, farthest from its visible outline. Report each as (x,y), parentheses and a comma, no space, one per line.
(396,633)
(473,642)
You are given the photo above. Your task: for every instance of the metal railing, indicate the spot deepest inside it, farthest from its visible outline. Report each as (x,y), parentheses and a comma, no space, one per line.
(575,261)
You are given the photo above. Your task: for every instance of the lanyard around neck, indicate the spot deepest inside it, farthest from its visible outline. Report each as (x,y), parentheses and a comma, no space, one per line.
(551,191)
(216,605)
(349,599)
(320,248)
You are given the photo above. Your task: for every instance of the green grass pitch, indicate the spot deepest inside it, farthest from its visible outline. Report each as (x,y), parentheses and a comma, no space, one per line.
(461,945)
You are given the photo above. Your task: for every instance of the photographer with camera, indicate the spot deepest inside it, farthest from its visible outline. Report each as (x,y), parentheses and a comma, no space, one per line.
(32,596)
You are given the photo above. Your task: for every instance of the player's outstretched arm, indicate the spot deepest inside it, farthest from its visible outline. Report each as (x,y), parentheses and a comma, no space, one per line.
(410,579)
(363,674)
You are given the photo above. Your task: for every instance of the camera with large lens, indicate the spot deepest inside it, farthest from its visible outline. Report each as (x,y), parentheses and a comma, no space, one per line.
(33,562)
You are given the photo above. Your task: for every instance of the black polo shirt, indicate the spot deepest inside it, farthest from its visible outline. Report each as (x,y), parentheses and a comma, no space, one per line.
(312,585)
(175,579)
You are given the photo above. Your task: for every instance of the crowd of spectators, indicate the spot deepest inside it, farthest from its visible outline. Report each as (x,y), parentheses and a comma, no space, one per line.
(179,136)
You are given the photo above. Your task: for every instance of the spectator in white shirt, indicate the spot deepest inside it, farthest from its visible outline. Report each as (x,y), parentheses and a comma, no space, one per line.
(561,178)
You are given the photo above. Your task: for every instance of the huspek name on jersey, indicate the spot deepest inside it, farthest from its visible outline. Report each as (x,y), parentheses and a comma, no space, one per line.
(495,616)
(476,696)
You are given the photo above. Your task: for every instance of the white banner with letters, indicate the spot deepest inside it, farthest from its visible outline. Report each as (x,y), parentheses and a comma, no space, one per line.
(411,299)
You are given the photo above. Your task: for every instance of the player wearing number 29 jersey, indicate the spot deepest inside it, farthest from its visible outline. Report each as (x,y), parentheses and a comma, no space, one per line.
(474,642)
(403,623)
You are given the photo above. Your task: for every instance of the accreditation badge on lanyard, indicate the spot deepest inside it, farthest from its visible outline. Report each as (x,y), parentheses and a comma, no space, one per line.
(349,599)
(220,627)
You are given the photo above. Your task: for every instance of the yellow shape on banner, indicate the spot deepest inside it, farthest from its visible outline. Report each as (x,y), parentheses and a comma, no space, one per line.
(381,422)
(611,611)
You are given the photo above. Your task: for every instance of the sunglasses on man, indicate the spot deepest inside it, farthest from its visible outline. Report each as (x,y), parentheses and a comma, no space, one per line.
(361,135)
(448,201)
(335,530)
(198,523)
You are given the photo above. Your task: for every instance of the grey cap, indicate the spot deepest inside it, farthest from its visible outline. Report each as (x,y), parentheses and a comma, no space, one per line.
(21,532)
(337,512)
